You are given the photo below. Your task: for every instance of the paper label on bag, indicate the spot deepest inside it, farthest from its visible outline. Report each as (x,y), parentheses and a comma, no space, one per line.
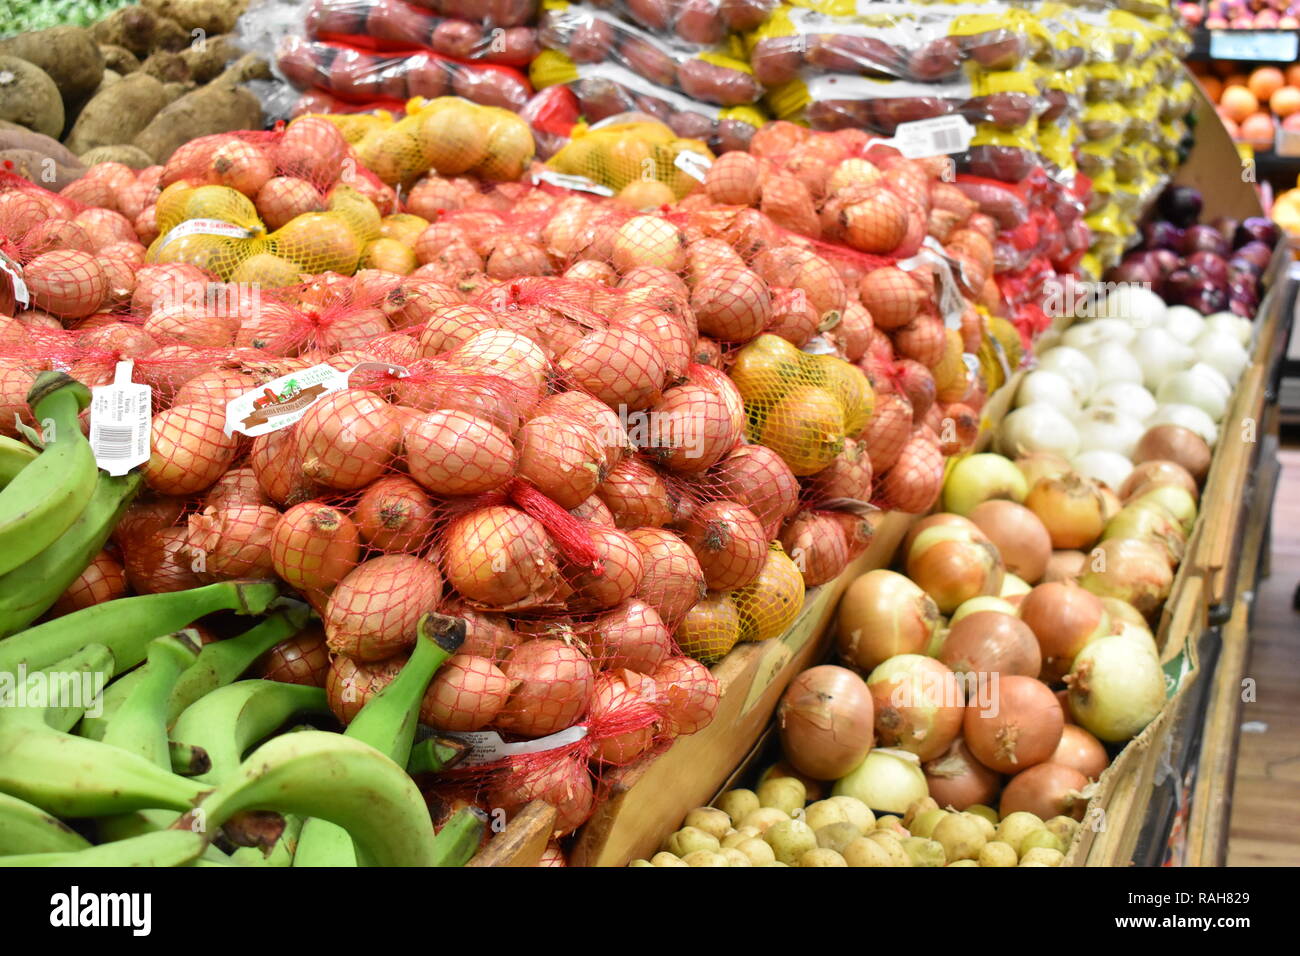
(205,227)
(571,181)
(486,746)
(15,274)
(933,137)
(951,302)
(120,414)
(283,401)
(693,164)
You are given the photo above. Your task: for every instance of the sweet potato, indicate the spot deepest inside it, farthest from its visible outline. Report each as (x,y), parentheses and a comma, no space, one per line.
(216,108)
(39,168)
(211,16)
(13,136)
(206,61)
(131,156)
(119,58)
(29,97)
(68,55)
(166,67)
(118,114)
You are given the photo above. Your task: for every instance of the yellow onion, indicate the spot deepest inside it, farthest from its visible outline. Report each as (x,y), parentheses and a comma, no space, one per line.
(1064,618)
(918,704)
(1071,508)
(953,565)
(1131,570)
(882,614)
(825,721)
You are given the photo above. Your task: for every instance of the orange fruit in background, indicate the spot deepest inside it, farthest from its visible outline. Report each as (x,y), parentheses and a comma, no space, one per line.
(1237,103)
(1293,75)
(1285,101)
(1292,123)
(1257,129)
(1213,87)
(1236,79)
(1265,81)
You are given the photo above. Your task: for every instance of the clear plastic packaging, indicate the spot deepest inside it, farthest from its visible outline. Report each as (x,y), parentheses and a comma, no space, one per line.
(393,25)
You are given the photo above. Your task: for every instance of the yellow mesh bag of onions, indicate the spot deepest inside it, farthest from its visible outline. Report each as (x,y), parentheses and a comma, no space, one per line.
(453,137)
(646,163)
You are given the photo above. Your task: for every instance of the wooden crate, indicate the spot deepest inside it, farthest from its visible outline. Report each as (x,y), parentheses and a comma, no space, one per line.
(522,841)
(649,799)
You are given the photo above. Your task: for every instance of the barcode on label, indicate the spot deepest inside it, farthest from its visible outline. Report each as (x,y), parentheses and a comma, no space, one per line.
(946,141)
(113,441)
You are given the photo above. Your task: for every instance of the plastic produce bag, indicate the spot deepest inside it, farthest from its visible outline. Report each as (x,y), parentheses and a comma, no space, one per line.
(400,25)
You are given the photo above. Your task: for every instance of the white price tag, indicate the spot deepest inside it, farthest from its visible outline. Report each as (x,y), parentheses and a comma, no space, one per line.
(579,184)
(933,137)
(951,302)
(205,227)
(693,164)
(15,274)
(486,746)
(119,422)
(284,400)
(1278,46)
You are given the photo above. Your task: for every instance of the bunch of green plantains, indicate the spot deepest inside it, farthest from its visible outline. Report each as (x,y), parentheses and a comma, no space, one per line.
(127,741)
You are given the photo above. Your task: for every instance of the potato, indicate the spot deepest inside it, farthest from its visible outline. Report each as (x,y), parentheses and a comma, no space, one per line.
(212,109)
(131,156)
(166,67)
(118,114)
(205,63)
(68,55)
(119,58)
(13,136)
(29,97)
(210,16)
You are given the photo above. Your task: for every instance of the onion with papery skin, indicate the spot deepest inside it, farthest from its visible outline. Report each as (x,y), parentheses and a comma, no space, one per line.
(350,684)
(394,514)
(957,780)
(1108,429)
(103,579)
(1018,726)
(1038,465)
(618,572)
(621,722)
(1175,443)
(729,542)
(1190,417)
(1131,570)
(232,542)
(620,367)
(688,694)
(373,612)
(1116,688)
(314,546)
(825,721)
(953,565)
(632,636)
(990,642)
(189,449)
(1075,365)
(671,578)
(1019,535)
(1046,790)
(553,685)
(301,659)
(501,558)
(815,542)
(918,704)
(915,481)
(756,477)
(979,478)
(1173,499)
(1082,751)
(275,461)
(888,431)
(984,602)
(1149,522)
(1045,387)
(1037,428)
(1064,618)
(237,486)
(1109,469)
(564,783)
(882,614)
(347,439)
(158,562)
(561,457)
(1150,475)
(466,694)
(887,781)
(454,453)
(1070,507)
(1065,565)
(636,495)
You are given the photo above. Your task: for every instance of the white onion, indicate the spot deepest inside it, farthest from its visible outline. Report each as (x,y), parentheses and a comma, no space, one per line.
(1047,388)
(1190,417)
(1129,397)
(1100,464)
(1074,365)
(1037,428)
(1191,388)
(1222,351)
(1238,326)
(887,781)
(1114,363)
(1135,304)
(1160,355)
(1184,323)
(1209,373)
(1085,334)
(1109,429)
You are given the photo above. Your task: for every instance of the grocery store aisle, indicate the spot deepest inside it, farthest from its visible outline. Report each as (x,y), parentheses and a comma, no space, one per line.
(1265,829)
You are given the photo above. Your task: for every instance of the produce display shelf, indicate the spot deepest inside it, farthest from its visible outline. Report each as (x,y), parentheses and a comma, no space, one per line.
(649,798)
(1264,46)
(522,840)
